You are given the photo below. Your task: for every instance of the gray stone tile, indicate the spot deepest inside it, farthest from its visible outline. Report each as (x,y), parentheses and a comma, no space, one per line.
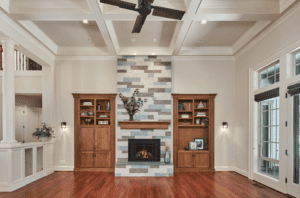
(122,71)
(150,75)
(164,113)
(123,113)
(168,133)
(122,59)
(155,90)
(150,117)
(162,101)
(153,137)
(152,57)
(121,106)
(122,160)
(171,174)
(138,170)
(135,86)
(164,79)
(162,63)
(125,83)
(146,94)
(139,67)
(124,151)
(152,110)
(120,166)
(152,60)
(153,71)
(162,144)
(128,137)
(154,166)
(122,140)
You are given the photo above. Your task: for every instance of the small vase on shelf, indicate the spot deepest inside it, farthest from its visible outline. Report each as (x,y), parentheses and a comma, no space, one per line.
(167,156)
(108,106)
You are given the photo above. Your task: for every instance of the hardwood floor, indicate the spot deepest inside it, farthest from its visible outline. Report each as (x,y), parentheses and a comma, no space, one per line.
(99,184)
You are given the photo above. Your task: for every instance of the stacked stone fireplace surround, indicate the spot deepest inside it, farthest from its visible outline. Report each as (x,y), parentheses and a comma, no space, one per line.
(152,76)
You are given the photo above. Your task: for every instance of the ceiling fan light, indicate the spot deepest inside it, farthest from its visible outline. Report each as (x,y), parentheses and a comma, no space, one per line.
(204,21)
(85,21)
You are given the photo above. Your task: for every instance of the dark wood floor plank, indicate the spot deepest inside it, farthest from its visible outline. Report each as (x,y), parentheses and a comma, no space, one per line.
(99,184)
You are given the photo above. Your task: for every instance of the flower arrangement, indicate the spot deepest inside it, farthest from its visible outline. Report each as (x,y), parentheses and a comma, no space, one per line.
(167,148)
(44,132)
(132,105)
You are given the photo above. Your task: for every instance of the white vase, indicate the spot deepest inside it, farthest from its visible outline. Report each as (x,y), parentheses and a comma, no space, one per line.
(43,139)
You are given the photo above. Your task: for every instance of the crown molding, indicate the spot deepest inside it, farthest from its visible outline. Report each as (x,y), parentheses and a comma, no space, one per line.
(283,19)
(38,33)
(284,4)
(28,44)
(206,51)
(253,31)
(205,58)
(85,58)
(5,5)
(145,51)
(82,51)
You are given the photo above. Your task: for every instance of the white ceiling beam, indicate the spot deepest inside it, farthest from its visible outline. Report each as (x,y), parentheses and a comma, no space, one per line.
(284,4)
(187,22)
(113,36)
(52,17)
(102,26)
(39,34)
(145,51)
(235,17)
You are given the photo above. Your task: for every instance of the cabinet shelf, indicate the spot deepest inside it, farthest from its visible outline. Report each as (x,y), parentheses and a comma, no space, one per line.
(194,126)
(86,105)
(201,109)
(106,111)
(86,116)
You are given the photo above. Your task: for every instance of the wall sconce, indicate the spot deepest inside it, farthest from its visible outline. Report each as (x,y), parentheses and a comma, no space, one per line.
(224,126)
(63,125)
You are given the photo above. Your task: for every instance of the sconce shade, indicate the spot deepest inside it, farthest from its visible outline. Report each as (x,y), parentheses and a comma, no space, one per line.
(225,125)
(63,125)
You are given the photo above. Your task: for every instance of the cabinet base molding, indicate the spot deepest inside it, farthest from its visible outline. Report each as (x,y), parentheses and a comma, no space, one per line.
(95,169)
(63,168)
(183,170)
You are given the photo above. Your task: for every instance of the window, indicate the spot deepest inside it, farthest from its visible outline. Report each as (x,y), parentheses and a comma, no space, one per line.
(269,137)
(269,76)
(297,62)
(296,140)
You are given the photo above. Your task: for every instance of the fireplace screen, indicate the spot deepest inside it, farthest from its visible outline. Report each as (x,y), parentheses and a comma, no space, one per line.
(144,150)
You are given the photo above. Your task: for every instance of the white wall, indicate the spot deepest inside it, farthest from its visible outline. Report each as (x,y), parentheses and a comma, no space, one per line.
(77,76)
(211,75)
(269,46)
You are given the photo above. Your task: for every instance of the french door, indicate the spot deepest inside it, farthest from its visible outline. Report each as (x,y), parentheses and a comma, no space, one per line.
(293,146)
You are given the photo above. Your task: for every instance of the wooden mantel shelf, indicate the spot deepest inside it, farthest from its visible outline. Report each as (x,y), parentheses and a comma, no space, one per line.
(143,125)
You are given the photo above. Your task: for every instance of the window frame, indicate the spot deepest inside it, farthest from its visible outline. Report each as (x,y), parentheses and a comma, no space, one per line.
(275,63)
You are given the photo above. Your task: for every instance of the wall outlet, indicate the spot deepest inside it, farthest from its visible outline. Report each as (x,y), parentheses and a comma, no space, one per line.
(62,162)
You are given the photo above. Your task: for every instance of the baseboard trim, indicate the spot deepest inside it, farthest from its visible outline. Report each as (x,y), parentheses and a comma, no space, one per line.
(5,189)
(242,172)
(63,168)
(224,168)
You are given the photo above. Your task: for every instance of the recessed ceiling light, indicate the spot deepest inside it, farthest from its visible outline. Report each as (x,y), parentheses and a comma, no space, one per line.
(153,53)
(200,40)
(204,21)
(154,40)
(88,40)
(134,53)
(85,21)
(132,40)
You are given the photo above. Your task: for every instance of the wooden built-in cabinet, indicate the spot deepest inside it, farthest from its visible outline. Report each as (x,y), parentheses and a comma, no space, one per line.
(94,143)
(186,129)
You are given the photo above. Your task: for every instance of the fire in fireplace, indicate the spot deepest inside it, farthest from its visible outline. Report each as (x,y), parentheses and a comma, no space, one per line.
(144,150)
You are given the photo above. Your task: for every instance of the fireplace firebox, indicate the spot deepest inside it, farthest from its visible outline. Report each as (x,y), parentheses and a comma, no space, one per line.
(144,150)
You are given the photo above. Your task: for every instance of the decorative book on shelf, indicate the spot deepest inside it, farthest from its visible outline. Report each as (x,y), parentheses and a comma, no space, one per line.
(193,119)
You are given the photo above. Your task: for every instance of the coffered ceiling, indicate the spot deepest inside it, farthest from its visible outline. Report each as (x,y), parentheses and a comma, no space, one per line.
(58,24)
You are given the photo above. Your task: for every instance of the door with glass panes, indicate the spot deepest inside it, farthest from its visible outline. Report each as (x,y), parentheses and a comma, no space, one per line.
(293,149)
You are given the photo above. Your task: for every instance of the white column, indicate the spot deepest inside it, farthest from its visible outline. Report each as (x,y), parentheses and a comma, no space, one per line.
(8,87)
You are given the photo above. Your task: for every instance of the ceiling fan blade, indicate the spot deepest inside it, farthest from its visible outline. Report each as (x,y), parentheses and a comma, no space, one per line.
(167,13)
(150,1)
(121,4)
(140,20)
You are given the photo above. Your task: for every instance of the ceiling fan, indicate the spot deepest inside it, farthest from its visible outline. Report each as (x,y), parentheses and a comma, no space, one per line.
(144,8)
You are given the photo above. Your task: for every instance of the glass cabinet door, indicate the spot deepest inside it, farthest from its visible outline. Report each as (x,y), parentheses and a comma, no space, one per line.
(39,159)
(28,162)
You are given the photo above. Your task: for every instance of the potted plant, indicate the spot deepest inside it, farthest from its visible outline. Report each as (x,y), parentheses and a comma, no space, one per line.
(44,133)
(132,105)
